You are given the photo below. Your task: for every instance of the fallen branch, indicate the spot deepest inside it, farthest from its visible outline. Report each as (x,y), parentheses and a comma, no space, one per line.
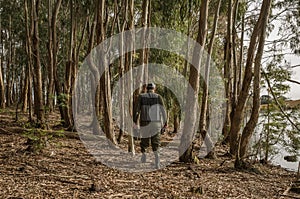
(4,131)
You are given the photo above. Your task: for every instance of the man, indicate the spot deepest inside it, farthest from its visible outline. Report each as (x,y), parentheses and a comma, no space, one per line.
(151,112)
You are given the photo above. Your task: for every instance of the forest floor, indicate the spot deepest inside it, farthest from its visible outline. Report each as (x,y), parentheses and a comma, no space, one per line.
(63,168)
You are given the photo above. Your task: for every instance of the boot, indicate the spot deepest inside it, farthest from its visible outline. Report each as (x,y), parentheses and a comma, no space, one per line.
(157,160)
(143,159)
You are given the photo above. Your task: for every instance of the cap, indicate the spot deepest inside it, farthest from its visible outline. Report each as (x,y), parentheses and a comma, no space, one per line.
(150,86)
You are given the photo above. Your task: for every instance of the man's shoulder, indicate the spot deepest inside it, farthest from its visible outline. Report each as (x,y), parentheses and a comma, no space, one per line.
(149,95)
(143,94)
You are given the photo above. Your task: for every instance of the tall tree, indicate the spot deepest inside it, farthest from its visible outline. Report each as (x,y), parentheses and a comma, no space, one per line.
(143,69)
(52,49)
(38,89)
(204,105)
(2,89)
(257,38)
(9,65)
(228,72)
(190,119)
(29,28)
(128,69)
(70,70)
(105,83)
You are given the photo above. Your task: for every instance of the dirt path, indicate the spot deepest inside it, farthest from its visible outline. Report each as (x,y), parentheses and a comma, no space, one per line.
(64,169)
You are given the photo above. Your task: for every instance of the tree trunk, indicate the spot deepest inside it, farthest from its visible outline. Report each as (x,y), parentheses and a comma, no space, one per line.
(142,75)
(186,64)
(25,90)
(129,87)
(50,89)
(105,86)
(204,105)
(186,148)
(70,72)
(38,103)
(52,50)
(238,115)
(122,68)
(249,129)
(241,56)
(228,74)
(95,78)
(176,122)
(234,62)
(29,60)
(2,89)
(8,67)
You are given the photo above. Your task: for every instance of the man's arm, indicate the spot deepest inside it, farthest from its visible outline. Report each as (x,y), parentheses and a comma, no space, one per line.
(162,110)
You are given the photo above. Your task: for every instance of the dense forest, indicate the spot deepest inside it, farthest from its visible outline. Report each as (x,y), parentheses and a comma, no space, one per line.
(74,69)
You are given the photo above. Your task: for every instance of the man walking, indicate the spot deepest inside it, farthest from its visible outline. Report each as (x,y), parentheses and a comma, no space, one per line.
(151,112)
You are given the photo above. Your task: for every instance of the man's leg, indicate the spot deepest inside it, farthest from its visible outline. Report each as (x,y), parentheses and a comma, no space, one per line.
(155,142)
(144,145)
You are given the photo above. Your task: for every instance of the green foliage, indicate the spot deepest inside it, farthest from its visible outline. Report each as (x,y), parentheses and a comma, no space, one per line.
(275,130)
(289,29)
(277,134)
(37,139)
(62,98)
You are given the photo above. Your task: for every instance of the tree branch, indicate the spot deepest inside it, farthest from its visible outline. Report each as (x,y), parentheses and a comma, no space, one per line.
(293,81)
(295,66)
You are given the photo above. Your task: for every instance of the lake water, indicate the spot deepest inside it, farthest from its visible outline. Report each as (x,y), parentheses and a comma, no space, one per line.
(279,160)
(276,159)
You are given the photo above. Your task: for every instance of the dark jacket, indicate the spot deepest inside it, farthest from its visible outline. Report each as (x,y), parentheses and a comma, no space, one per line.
(150,108)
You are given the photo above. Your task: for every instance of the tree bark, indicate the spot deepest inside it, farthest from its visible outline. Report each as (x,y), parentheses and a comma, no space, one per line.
(71,67)
(186,148)
(176,121)
(8,67)
(238,115)
(2,89)
(228,74)
(122,67)
(234,56)
(241,56)
(38,103)
(129,87)
(105,86)
(29,59)
(204,106)
(25,88)
(95,77)
(52,50)
(142,75)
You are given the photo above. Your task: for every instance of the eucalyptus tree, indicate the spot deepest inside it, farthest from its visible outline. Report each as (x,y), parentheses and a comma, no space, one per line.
(2,89)
(53,11)
(37,65)
(205,94)
(254,55)
(288,37)
(194,80)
